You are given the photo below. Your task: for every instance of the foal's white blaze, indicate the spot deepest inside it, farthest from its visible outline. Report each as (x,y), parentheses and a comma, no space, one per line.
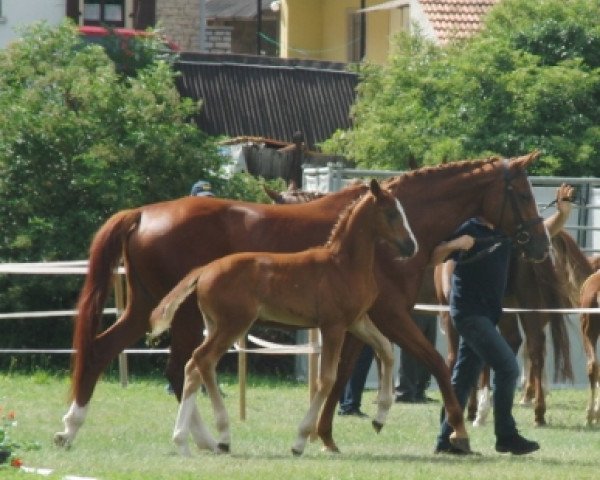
(407,225)
(73,421)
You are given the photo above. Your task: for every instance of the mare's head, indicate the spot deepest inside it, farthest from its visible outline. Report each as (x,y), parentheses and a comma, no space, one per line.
(391,223)
(510,205)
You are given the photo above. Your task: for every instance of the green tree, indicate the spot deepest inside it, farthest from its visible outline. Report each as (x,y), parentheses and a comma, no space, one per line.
(530,80)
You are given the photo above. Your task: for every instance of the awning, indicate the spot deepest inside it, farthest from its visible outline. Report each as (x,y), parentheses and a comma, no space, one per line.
(385,6)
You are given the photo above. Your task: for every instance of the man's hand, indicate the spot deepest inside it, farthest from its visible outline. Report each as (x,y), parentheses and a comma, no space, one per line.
(564,197)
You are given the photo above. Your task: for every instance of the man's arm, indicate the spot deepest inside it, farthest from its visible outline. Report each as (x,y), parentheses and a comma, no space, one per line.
(554,223)
(441,252)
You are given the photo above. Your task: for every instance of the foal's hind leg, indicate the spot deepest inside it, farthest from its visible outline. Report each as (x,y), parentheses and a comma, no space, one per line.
(370,334)
(332,338)
(188,416)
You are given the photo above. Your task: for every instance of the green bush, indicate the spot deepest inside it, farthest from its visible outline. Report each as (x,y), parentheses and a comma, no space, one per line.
(78,142)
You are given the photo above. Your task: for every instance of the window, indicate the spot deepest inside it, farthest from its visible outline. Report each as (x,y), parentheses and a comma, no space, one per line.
(399,20)
(104,12)
(354,36)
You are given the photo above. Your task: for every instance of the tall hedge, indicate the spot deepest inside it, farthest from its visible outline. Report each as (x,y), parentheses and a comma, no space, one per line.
(80,140)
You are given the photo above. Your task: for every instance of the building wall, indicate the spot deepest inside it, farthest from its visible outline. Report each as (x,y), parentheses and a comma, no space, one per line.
(17,13)
(218,39)
(180,21)
(319,29)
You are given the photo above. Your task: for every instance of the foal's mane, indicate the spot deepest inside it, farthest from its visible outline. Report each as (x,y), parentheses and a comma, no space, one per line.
(342,221)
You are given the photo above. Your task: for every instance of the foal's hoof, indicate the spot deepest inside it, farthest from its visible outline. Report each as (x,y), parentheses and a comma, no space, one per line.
(62,440)
(461,444)
(223,448)
(296,452)
(377,425)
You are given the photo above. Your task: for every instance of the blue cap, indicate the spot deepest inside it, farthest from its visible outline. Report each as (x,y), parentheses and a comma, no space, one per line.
(201,189)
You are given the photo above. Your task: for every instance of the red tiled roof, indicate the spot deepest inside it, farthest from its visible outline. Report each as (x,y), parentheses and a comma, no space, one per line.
(453,19)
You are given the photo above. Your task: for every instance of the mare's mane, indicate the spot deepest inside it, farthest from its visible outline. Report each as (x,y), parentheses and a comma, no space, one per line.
(448,169)
(572,264)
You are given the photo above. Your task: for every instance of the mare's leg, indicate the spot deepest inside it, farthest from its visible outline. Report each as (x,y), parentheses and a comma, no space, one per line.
(129,328)
(484,398)
(366,331)
(536,349)
(350,351)
(590,326)
(332,339)
(186,336)
(399,327)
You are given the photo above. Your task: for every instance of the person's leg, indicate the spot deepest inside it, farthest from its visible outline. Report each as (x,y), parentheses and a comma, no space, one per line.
(464,376)
(428,325)
(406,389)
(484,338)
(351,397)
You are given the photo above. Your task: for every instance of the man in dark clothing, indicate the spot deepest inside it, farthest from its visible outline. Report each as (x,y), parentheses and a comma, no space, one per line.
(482,256)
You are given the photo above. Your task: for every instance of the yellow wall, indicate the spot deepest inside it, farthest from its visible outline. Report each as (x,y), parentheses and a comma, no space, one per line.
(318,29)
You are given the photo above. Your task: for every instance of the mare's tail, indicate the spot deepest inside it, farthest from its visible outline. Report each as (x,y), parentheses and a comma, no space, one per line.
(162,316)
(105,253)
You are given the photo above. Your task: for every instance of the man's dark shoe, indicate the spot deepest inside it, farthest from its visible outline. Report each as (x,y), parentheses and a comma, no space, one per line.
(354,412)
(517,445)
(404,397)
(424,399)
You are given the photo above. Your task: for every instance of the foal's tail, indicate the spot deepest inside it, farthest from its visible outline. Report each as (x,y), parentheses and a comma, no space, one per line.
(105,253)
(162,316)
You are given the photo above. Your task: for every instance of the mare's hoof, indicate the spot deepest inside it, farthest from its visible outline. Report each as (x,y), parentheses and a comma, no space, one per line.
(223,447)
(296,452)
(330,448)
(377,426)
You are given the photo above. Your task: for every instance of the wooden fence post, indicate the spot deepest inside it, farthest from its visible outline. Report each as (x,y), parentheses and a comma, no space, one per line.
(120,306)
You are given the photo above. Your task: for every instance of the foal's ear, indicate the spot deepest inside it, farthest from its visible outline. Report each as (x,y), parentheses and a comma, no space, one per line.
(375,188)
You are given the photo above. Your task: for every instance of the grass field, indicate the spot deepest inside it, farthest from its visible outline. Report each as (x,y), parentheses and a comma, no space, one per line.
(127,436)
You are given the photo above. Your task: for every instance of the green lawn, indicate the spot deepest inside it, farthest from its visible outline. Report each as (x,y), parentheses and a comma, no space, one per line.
(127,436)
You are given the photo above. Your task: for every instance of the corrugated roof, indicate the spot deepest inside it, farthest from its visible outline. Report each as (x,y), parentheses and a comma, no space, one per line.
(455,19)
(268,97)
(234,9)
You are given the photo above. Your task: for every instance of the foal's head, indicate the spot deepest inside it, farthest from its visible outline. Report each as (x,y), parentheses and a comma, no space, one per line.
(391,223)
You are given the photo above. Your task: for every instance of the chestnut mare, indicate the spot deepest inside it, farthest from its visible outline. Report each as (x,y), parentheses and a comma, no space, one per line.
(162,242)
(330,287)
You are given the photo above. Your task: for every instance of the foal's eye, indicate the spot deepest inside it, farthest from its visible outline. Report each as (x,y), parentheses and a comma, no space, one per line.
(391,215)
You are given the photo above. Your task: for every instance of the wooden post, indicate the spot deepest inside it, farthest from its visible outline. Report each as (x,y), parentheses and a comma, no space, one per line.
(313,369)
(242,376)
(120,305)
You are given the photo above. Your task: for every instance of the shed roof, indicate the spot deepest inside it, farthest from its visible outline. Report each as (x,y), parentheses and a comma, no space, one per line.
(456,19)
(247,95)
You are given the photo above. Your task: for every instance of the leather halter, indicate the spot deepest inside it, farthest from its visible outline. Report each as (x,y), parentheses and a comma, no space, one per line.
(523,234)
